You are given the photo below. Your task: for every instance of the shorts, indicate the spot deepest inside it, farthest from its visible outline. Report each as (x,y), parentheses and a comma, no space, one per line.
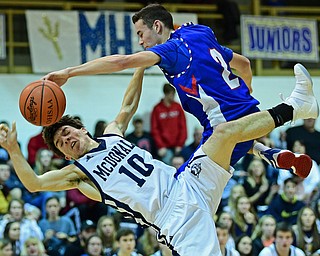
(187,219)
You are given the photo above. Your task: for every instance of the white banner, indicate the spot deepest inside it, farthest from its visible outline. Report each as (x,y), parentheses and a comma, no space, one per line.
(279,38)
(60,39)
(2,37)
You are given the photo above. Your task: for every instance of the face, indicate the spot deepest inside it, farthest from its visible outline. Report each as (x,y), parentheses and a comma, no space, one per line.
(268,226)
(245,245)
(16,210)
(14,231)
(72,142)
(127,243)
(237,191)
(283,240)
(257,168)
(88,232)
(290,190)
(4,172)
(95,246)
(46,157)
(107,227)
(243,205)
(147,37)
(226,219)
(53,207)
(7,250)
(298,148)
(223,236)
(308,218)
(32,248)
(177,161)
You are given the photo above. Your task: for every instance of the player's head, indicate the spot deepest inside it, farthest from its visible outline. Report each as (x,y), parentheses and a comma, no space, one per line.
(153,24)
(151,13)
(63,136)
(284,235)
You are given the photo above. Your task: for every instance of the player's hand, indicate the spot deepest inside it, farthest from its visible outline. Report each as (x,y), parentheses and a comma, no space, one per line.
(59,77)
(8,138)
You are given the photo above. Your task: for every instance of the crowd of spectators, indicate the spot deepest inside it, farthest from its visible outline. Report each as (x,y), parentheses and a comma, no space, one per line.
(257,211)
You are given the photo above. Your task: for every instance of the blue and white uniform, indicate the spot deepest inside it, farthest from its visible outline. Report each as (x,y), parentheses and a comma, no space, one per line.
(198,67)
(181,209)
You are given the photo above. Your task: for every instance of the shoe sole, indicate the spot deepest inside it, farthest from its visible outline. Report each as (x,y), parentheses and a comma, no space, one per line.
(300,164)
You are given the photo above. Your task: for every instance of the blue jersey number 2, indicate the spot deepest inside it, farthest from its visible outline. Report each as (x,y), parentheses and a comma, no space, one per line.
(137,163)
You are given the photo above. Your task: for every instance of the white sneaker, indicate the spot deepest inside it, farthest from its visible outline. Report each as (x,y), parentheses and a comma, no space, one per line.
(302,98)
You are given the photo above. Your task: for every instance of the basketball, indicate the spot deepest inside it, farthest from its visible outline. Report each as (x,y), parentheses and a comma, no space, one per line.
(42,103)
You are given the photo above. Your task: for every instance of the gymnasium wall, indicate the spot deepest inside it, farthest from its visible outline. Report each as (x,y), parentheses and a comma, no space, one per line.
(100,97)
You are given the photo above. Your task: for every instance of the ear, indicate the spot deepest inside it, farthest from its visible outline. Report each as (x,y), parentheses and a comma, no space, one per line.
(84,130)
(68,158)
(157,25)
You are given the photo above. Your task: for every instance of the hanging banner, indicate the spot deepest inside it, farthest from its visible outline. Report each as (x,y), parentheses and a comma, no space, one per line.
(60,39)
(2,37)
(279,38)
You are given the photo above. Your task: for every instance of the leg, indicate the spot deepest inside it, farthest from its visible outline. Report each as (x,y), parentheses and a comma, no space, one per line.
(300,104)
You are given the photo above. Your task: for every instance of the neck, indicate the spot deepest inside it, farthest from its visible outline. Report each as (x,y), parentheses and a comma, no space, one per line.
(283,252)
(54,218)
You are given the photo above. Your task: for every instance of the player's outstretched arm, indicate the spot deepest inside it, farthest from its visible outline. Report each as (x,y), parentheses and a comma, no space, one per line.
(129,104)
(52,181)
(242,65)
(105,65)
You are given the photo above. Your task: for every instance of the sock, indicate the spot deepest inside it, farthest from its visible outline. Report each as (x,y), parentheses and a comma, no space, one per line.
(259,147)
(281,114)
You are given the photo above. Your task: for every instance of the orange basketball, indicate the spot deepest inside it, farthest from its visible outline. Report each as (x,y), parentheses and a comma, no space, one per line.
(42,103)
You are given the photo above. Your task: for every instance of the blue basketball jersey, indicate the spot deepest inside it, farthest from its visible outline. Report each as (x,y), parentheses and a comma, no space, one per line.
(198,67)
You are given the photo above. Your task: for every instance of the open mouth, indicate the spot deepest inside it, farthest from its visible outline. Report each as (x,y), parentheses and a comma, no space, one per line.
(72,144)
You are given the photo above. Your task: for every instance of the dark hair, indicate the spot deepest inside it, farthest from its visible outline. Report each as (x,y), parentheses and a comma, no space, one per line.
(7,228)
(237,242)
(52,197)
(49,131)
(290,179)
(168,88)
(124,232)
(284,227)
(153,12)
(99,128)
(222,226)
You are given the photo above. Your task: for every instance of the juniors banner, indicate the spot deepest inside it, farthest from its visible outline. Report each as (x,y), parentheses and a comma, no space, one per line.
(60,39)
(279,38)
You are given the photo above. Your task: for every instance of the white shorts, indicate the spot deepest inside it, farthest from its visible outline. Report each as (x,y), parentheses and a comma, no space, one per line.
(187,220)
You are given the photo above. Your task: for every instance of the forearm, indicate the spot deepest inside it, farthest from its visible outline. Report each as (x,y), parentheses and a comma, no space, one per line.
(131,99)
(23,169)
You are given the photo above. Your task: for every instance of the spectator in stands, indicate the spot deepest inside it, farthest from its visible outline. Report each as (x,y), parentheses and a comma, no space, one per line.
(5,195)
(309,135)
(284,236)
(263,234)
(5,247)
(4,156)
(223,237)
(168,125)
(99,128)
(29,227)
(188,150)
(236,191)
(57,230)
(107,230)
(127,243)
(257,186)
(33,247)
(225,218)
(77,247)
(177,160)
(140,137)
(307,236)
(89,209)
(35,143)
(245,218)
(305,187)
(12,233)
(148,243)
(285,206)
(94,246)
(244,245)
(43,163)
(163,251)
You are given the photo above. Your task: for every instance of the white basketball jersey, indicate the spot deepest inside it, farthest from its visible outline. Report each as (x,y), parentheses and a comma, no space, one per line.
(128,177)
